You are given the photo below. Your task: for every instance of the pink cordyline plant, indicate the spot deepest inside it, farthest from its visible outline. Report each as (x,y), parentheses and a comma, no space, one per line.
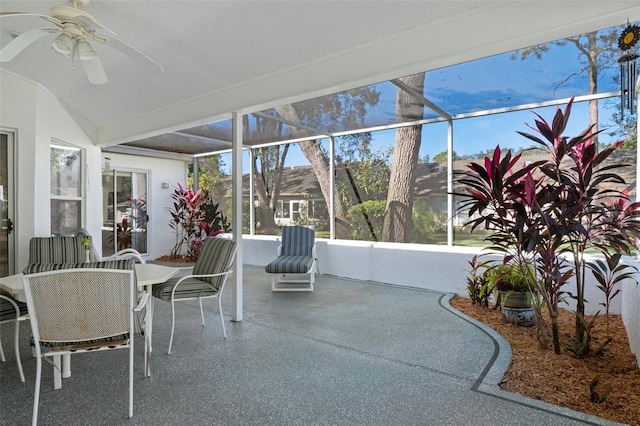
(540,210)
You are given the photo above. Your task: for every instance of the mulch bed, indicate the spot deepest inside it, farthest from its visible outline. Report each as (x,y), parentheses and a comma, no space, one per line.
(562,379)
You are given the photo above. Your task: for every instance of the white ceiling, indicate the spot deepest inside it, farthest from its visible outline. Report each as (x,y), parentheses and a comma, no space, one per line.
(245,56)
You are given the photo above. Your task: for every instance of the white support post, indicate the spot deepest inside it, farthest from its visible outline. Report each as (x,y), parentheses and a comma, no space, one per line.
(332,183)
(196,173)
(450,183)
(252,206)
(637,151)
(236,207)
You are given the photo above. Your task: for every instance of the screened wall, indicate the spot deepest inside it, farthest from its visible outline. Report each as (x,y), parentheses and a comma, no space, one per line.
(377,163)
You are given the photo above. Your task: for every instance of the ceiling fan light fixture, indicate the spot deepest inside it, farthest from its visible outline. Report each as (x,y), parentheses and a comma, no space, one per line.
(63,44)
(85,50)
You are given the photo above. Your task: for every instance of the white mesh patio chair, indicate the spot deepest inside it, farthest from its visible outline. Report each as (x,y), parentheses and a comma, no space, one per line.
(207,280)
(12,310)
(81,310)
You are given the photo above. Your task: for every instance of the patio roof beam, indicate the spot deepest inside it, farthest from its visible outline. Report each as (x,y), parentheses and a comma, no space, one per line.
(202,138)
(525,107)
(420,97)
(318,132)
(146,152)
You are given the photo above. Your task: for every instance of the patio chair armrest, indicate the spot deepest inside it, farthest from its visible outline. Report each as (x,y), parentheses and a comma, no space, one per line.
(142,302)
(13,303)
(127,253)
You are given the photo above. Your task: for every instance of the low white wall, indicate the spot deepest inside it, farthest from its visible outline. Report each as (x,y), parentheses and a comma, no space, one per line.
(631,315)
(416,265)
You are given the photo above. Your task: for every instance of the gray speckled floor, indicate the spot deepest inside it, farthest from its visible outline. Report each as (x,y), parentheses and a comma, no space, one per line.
(350,353)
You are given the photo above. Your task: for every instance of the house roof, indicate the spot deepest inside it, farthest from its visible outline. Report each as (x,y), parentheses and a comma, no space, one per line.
(221,57)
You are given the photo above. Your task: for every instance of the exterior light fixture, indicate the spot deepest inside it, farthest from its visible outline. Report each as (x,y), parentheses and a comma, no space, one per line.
(628,69)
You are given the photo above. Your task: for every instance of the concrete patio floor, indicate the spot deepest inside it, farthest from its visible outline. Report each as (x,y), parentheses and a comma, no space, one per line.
(350,353)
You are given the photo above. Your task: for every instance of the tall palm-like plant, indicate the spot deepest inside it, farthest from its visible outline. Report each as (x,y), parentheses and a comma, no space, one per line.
(193,218)
(564,204)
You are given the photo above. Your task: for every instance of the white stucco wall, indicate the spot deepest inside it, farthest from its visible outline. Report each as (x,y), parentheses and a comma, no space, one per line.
(37,119)
(631,315)
(161,237)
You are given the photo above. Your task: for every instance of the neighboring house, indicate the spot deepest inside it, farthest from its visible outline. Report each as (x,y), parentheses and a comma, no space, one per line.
(301,199)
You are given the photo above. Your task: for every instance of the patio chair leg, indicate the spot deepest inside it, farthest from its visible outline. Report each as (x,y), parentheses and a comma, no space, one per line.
(131,377)
(36,396)
(173,324)
(224,330)
(1,352)
(57,372)
(201,311)
(17,344)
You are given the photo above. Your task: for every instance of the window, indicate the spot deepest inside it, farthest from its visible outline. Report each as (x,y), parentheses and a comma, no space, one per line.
(295,210)
(66,189)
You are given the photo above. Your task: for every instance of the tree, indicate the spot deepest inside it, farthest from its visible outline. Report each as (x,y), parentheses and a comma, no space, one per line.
(268,166)
(441,157)
(367,179)
(397,217)
(210,175)
(598,52)
(343,110)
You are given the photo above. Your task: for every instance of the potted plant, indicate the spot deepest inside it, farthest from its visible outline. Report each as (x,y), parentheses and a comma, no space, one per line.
(86,243)
(513,287)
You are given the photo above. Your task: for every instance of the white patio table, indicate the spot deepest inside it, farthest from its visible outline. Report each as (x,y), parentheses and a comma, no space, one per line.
(147,275)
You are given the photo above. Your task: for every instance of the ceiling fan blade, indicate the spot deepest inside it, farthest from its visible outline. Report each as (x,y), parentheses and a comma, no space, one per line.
(95,71)
(18,44)
(46,17)
(134,54)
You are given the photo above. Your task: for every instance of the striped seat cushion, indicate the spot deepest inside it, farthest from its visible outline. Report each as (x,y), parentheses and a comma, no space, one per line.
(191,287)
(296,255)
(290,265)
(125,264)
(56,250)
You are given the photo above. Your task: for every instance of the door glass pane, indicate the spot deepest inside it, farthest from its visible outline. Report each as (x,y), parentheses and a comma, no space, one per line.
(4,207)
(125,211)
(65,216)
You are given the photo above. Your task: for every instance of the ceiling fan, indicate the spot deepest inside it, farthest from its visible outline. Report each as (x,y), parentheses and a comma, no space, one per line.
(74,28)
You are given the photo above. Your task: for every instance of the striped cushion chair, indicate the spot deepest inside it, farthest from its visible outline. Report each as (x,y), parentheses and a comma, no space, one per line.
(294,268)
(206,281)
(56,250)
